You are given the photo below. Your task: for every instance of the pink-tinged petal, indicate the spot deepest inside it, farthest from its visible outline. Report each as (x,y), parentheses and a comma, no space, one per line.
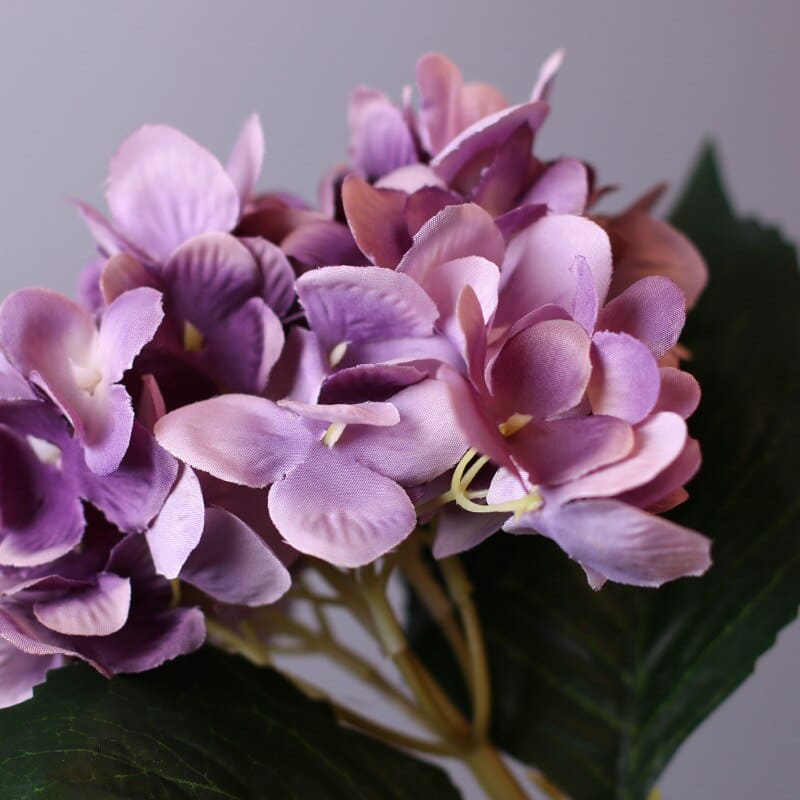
(543,370)
(458,531)
(374,382)
(680,392)
(669,481)
(128,324)
(121,273)
(233,565)
(448,106)
(472,325)
(363,304)
(657,443)
(12,385)
(89,294)
(425,442)
(538,268)
(564,449)
(646,246)
(411,178)
(164,188)
(151,406)
(96,611)
(563,187)
(105,428)
(425,204)
(547,74)
(108,240)
(625,379)
(380,139)
(455,232)
(424,352)
(626,545)
(340,511)
(653,310)
(497,187)
(486,134)
(301,368)
(21,672)
(322,243)
(518,219)
(276,273)
(376,219)
(584,304)
(366,413)
(177,529)
(246,159)
(237,438)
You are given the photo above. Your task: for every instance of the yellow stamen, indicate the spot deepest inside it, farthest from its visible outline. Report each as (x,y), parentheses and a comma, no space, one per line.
(334,433)
(337,354)
(513,424)
(175,586)
(192,338)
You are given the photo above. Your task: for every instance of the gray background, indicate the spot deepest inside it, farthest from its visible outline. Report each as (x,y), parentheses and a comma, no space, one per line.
(644,82)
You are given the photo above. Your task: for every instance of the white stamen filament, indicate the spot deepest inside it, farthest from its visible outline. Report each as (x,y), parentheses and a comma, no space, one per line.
(45,451)
(337,354)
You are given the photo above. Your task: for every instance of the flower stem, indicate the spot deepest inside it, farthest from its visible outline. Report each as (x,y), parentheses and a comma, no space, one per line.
(492,774)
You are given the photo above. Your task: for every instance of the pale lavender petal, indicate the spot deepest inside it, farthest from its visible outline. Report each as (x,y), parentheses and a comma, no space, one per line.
(246,159)
(237,438)
(653,310)
(380,139)
(164,188)
(108,240)
(128,324)
(538,266)
(96,611)
(21,672)
(376,219)
(679,392)
(489,132)
(657,443)
(355,514)
(12,385)
(362,304)
(425,352)
(365,413)
(547,74)
(276,273)
(563,187)
(90,295)
(232,564)
(455,232)
(121,273)
(410,178)
(543,370)
(625,378)
(177,529)
(301,368)
(458,530)
(426,441)
(376,382)
(626,545)
(106,428)
(584,304)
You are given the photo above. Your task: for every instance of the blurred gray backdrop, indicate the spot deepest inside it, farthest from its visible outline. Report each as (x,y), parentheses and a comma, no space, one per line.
(644,83)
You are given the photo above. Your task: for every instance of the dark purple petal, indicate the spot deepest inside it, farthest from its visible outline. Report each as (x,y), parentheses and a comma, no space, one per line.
(518,219)
(322,243)
(276,273)
(237,438)
(232,564)
(376,382)
(625,378)
(164,188)
(356,515)
(425,204)
(246,159)
(500,184)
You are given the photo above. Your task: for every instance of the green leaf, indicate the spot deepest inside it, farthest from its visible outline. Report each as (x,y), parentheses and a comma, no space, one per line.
(205,726)
(600,689)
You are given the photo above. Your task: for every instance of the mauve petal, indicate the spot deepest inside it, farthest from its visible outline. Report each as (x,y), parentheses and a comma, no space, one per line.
(233,565)
(375,382)
(455,232)
(97,611)
(657,443)
(164,188)
(108,240)
(563,187)
(121,273)
(365,413)
(653,310)
(547,74)
(425,352)
(458,530)
(538,266)
(489,132)
(543,370)
(246,159)
(425,204)
(89,294)
(518,219)
(128,324)
(584,304)
(237,438)
(355,515)
(276,273)
(150,406)
(679,392)
(363,304)
(12,385)
(301,368)
(107,424)
(497,186)
(21,672)
(376,219)
(472,324)
(564,449)
(646,246)
(625,378)
(23,632)
(624,544)
(380,139)
(322,243)
(426,441)
(411,178)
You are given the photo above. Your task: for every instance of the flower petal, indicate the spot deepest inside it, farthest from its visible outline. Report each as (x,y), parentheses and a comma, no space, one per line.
(366,413)
(679,392)
(246,159)
(563,187)
(458,531)
(121,273)
(276,273)
(376,382)
(21,672)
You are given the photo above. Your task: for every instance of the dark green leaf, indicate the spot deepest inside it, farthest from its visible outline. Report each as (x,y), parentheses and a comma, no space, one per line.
(205,726)
(600,689)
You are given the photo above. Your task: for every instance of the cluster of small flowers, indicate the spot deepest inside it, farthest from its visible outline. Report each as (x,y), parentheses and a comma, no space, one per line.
(452,339)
